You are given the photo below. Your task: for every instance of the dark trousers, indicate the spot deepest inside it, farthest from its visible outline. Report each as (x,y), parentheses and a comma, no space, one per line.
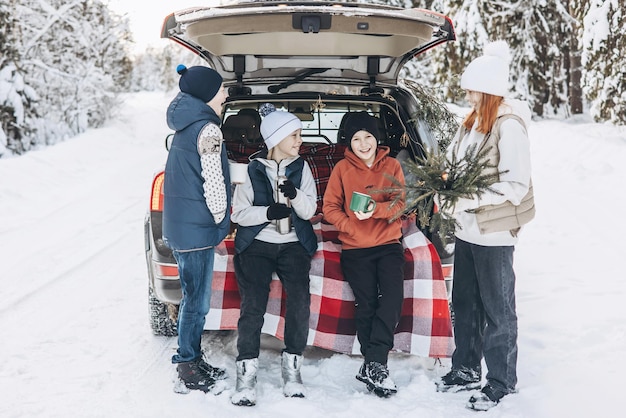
(376,276)
(254,267)
(485,322)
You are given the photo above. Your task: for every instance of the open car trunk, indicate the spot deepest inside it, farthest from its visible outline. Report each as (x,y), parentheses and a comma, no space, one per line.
(276,40)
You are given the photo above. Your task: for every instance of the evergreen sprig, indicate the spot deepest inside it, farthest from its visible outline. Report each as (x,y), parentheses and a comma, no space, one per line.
(441,180)
(441,121)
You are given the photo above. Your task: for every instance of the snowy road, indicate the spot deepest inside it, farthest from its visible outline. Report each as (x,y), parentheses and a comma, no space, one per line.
(72,257)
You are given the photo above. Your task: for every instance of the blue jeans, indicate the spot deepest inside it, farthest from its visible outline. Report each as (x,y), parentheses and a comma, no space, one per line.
(195,270)
(254,267)
(485,322)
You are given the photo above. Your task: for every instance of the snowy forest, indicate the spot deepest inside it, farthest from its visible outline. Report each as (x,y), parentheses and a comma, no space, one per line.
(64,64)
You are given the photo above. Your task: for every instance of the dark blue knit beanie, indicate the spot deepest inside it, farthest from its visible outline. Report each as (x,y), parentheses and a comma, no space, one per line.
(201,82)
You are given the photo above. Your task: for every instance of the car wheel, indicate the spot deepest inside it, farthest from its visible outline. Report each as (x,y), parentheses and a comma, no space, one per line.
(162,316)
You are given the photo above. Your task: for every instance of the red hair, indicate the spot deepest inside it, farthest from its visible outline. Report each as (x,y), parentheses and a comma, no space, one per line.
(487,113)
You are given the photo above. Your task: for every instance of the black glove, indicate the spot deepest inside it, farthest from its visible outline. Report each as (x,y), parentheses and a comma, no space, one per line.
(278,211)
(288,189)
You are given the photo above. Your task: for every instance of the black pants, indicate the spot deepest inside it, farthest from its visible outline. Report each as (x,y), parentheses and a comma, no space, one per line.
(376,276)
(253,268)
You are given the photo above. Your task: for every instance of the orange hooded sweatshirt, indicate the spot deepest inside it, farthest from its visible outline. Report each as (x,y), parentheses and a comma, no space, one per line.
(352,174)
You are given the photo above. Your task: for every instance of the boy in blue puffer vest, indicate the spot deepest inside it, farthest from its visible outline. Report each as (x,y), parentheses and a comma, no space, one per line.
(196,209)
(263,247)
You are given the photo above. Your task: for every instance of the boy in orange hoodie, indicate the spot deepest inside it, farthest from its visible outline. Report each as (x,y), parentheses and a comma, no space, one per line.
(372,257)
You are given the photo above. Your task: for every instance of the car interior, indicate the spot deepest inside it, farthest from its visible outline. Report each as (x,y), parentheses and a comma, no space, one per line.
(323,135)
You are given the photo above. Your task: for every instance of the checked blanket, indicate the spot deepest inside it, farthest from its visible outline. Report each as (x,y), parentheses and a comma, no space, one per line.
(425,328)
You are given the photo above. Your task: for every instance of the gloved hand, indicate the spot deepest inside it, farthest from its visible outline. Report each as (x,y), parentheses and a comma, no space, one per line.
(278,211)
(288,189)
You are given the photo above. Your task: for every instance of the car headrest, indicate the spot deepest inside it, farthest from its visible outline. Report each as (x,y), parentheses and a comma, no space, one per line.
(243,128)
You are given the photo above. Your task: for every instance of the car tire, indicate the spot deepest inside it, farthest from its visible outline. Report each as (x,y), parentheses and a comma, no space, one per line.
(162,316)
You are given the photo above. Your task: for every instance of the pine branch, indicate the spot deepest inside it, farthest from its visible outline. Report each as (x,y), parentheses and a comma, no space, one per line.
(446,180)
(440,120)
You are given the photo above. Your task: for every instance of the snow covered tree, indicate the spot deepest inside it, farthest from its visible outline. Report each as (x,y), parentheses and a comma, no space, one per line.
(155,67)
(542,45)
(450,61)
(8,55)
(75,57)
(537,32)
(16,98)
(111,40)
(8,48)
(604,59)
(423,68)
(558,47)
(577,9)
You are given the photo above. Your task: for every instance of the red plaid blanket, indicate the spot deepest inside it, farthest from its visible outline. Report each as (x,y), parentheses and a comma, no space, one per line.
(424,329)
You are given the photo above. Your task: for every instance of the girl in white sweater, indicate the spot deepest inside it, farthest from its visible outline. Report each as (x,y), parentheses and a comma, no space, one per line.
(483,296)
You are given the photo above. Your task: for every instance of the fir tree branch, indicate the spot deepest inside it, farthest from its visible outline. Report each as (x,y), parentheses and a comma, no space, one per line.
(441,121)
(442,180)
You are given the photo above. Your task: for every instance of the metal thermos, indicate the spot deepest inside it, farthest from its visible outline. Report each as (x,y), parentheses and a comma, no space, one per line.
(283,226)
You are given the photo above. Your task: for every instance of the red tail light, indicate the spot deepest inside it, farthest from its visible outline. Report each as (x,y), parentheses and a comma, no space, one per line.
(168,270)
(156,199)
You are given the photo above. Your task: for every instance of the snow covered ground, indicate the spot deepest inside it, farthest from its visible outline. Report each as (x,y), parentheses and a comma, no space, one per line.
(75,339)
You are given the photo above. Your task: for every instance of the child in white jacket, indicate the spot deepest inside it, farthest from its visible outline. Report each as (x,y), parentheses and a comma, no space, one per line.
(263,246)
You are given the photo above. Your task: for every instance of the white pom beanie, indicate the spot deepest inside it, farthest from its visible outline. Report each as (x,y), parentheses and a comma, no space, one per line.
(277,125)
(489,73)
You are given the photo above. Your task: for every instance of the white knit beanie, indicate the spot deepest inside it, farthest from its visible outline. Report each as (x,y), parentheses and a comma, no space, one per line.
(489,73)
(277,125)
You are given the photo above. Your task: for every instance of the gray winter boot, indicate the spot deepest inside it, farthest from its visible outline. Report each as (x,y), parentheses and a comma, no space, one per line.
(245,391)
(292,381)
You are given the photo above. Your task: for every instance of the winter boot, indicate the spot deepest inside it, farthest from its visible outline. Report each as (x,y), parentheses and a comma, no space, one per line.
(292,380)
(245,391)
(192,376)
(457,380)
(487,398)
(376,376)
(216,373)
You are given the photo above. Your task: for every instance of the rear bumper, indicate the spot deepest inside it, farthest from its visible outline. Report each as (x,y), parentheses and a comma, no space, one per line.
(162,268)
(167,289)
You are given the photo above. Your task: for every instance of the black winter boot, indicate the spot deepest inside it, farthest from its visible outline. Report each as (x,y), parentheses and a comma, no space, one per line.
(193,375)
(459,379)
(376,376)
